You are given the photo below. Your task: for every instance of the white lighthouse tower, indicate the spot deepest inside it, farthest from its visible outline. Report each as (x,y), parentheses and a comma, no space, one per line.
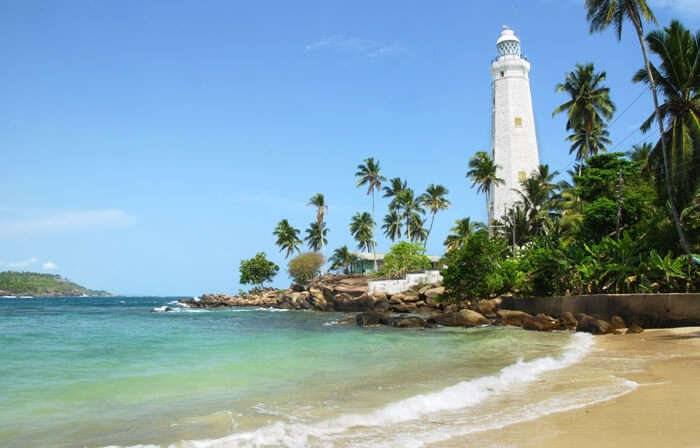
(513,137)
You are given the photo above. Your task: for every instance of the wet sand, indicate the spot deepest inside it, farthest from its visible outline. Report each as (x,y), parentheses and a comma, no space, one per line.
(663,411)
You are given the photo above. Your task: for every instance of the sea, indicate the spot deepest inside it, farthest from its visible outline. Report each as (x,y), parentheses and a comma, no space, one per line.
(109,372)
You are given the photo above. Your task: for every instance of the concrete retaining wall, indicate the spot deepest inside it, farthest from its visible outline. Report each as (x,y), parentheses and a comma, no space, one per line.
(404,284)
(650,310)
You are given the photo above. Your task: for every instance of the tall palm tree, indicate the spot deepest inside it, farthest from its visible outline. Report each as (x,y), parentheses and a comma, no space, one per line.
(410,209)
(392,225)
(435,200)
(342,258)
(316,236)
(319,201)
(416,231)
(287,237)
(395,186)
(640,153)
(368,174)
(678,78)
(586,143)
(460,232)
(362,229)
(483,174)
(589,101)
(516,227)
(603,13)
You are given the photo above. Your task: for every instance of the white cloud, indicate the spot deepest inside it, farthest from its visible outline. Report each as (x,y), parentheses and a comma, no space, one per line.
(18,264)
(69,221)
(49,266)
(353,45)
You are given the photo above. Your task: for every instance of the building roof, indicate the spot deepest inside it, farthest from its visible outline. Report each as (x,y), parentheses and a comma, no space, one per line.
(364,256)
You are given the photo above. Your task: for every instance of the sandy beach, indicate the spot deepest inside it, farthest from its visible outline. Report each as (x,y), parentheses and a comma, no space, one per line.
(663,411)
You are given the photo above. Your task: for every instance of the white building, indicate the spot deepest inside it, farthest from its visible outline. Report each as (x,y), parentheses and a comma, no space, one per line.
(513,137)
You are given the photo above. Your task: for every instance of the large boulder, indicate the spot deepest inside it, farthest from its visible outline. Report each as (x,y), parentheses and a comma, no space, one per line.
(432,293)
(407,322)
(411,297)
(567,321)
(352,291)
(489,307)
(541,322)
(463,318)
(590,324)
(634,328)
(396,299)
(347,303)
(511,317)
(617,323)
(371,318)
(403,308)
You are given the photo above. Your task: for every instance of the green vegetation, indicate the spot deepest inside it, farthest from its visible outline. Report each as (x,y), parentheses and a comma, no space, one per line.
(257,270)
(287,238)
(404,257)
(303,268)
(342,258)
(48,285)
(317,231)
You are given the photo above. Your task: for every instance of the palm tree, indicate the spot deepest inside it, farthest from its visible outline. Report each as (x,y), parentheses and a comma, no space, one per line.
(678,78)
(410,209)
(640,153)
(392,225)
(368,174)
(460,232)
(435,200)
(395,186)
(316,236)
(589,102)
(319,201)
(287,237)
(342,258)
(516,226)
(586,143)
(483,174)
(534,197)
(416,230)
(602,13)
(362,229)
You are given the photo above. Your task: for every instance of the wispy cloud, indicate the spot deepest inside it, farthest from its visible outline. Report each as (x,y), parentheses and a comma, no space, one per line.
(69,221)
(18,264)
(369,48)
(49,266)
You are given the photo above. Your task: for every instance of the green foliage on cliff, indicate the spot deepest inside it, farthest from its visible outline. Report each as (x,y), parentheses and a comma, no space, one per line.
(405,257)
(257,270)
(36,284)
(303,268)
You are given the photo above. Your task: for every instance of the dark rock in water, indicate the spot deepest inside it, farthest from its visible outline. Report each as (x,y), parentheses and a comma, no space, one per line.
(510,317)
(634,328)
(617,323)
(371,318)
(347,303)
(567,321)
(464,318)
(407,322)
(592,325)
(541,322)
(403,308)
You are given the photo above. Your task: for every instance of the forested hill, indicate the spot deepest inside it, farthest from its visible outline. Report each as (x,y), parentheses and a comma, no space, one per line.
(41,285)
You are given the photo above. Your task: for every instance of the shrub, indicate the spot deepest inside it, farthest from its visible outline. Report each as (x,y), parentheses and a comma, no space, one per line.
(404,257)
(474,270)
(257,270)
(303,268)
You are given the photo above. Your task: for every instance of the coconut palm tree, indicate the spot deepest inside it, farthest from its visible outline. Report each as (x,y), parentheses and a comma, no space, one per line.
(483,174)
(640,153)
(287,237)
(368,174)
(678,78)
(410,209)
(395,186)
(435,200)
(586,143)
(603,13)
(460,232)
(362,229)
(342,258)
(319,201)
(416,231)
(316,236)
(392,225)
(589,102)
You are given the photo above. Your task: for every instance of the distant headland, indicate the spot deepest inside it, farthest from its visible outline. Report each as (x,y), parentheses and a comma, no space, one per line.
(34,284)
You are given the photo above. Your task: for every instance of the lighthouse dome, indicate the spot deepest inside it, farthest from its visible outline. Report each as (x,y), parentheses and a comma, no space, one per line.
(508,43)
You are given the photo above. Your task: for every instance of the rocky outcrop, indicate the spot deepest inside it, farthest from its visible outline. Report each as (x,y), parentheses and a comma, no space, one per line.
(463,318)
(590,324)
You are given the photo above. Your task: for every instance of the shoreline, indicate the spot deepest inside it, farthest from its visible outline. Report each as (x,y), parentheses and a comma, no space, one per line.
(662,411)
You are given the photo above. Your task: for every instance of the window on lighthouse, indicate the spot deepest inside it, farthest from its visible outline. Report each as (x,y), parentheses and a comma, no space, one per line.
(518,122)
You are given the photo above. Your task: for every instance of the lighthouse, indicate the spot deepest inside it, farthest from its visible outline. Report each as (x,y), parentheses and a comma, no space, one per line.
(513,136)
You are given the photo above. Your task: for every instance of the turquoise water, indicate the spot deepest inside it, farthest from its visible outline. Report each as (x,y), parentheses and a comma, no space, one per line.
(107,371)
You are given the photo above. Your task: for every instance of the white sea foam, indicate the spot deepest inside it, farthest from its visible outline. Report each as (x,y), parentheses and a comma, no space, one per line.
(461,396)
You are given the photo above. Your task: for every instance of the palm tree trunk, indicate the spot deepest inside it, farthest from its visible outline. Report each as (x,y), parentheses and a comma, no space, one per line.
(374,246)
(430,229)
(652,83)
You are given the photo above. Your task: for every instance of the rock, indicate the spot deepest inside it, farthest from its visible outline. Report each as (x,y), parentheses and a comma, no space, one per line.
(464,318)
(489,307)
(409,298)
(403,308)
(345,302)
(371,318)
(352,291)
(451,308)
(617,323)
(592,325)
(349,320)
(407,322)
(435,292)
(510,317)
(423,290)
(297,287)
(396,299)
(541,322)
(567,321)
(634,328)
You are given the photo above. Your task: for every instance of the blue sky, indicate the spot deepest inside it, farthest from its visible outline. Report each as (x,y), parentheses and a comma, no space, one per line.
(147,147)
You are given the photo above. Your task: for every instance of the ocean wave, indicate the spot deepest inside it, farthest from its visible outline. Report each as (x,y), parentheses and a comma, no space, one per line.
(460,396)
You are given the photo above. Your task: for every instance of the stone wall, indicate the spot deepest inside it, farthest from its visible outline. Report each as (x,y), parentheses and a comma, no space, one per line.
(649,310)
(404,284)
